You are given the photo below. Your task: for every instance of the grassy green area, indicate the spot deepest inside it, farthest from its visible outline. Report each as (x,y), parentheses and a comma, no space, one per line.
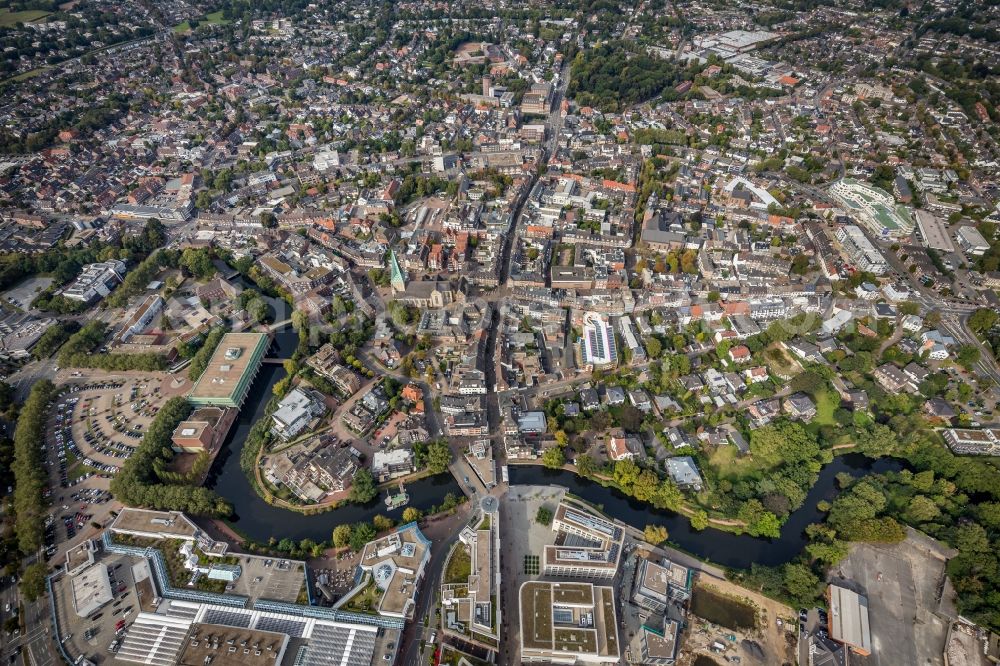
(827,402)
(9,18)
(779,363)
(74,472)
(365,601)
(459,566)
(215,18)
(729,464)
(24,76)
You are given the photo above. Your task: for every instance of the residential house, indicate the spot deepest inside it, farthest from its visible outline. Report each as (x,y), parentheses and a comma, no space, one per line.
(800,406)
(684,472)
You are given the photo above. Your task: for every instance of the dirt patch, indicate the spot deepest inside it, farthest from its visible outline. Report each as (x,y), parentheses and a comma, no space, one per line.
(702,660)
(769,639)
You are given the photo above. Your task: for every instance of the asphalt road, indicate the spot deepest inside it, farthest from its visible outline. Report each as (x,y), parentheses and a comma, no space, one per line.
(37,642)
(25,378)
(418,630)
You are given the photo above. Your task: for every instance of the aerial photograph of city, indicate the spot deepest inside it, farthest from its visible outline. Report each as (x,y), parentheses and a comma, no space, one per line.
(487,333)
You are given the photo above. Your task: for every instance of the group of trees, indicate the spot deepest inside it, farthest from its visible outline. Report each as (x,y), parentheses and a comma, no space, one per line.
(50,301)
(417,186)
(672,261)
(615,76)
(201,358)
(78,352)
(645,485)
(137,279)
(53,338)
(355,536)
(951,498)
(363,487)
(436,455)
(554,457)
(30,470)
(198,262)
(140,482)
(62,264)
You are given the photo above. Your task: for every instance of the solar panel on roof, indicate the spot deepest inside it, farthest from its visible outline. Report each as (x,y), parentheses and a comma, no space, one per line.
(293,628)
(331,645)
(226,617)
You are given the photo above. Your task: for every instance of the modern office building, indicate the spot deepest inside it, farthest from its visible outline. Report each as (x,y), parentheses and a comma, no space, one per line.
(656,645)
(933,231)
(199,431)
(96,281)
(967,441)
(231,370)
(860,251)
(141,317)
(568,623)
(266,616)
(472,606)
(587,545)
(296,411)
(656,584)
(196,634)
(91,590)
(396,564)
(972,242)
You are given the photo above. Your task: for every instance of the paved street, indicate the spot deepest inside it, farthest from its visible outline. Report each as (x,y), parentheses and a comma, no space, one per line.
(443,533)
(37,645)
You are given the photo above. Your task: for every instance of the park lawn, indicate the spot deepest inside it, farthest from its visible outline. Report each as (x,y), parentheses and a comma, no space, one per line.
(9,18)
(215,18)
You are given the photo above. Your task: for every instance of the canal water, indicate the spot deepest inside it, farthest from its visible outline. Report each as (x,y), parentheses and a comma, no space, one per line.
(260,521)
(723,548)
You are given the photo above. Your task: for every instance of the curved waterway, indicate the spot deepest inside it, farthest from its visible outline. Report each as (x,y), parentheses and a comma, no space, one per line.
(724,548)
(260,521)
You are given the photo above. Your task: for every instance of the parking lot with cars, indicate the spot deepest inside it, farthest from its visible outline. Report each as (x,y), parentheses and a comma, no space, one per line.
(94,425)
(100,424)
(105,628)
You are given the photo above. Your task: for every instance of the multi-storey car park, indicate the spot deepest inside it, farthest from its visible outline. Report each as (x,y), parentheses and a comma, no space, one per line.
(231,370)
